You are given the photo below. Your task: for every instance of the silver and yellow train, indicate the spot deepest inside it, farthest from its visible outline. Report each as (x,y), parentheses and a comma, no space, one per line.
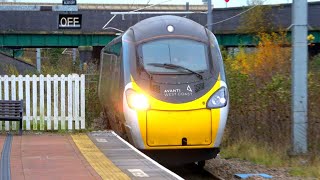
(163,86)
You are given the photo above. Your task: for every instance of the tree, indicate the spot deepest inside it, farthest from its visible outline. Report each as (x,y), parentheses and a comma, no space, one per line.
(258,19)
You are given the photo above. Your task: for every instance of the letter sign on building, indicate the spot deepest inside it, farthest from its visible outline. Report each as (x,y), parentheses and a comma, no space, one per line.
(69,2)
(69,21)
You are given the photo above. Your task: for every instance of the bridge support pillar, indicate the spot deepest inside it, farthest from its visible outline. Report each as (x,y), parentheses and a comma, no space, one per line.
(39,60)
(85,53)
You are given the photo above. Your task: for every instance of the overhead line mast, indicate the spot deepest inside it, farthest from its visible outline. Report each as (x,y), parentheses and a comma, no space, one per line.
(299,77)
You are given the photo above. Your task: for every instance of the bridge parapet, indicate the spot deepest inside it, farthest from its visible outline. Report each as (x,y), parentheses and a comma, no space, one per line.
(115,7)
(40,28)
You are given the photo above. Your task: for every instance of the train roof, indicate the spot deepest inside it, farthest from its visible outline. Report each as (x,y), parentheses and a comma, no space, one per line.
(157,27)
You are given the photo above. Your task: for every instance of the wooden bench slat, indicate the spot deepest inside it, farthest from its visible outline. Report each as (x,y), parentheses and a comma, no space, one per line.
(10,105)
(10,115)
(11,110)
(11,119)
(10,101)
(5,107)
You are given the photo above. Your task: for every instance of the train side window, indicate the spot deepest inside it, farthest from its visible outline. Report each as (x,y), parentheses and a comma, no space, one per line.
(105,76)
(110,75)
(115,90)
(113,75)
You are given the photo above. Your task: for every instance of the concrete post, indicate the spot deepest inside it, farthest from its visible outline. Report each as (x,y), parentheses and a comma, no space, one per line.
(299,76)
(39,60)
(85,53)
(74,55)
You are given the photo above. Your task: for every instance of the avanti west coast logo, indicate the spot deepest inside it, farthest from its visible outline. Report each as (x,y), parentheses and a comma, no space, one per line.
(178,92)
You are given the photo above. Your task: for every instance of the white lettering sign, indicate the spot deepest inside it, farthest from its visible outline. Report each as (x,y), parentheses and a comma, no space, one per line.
(69,21)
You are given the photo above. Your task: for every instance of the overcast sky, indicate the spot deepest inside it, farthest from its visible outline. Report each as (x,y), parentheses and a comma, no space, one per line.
(216,3)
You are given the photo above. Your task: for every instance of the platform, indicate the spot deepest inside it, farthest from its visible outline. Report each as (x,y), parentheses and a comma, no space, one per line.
(97,155)
(131,161)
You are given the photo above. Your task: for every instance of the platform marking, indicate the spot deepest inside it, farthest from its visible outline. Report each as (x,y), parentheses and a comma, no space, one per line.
(138,173)
(148,158)
(101,164)
(101,140)
(5,159)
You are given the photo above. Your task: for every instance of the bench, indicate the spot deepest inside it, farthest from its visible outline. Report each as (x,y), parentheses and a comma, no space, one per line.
(11,110)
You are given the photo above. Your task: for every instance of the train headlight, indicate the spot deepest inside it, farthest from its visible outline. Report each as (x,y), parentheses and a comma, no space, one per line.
(170,28)
(218,99)
(136,100)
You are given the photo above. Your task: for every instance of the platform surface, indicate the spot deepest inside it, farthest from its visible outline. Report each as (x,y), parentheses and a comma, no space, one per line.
(48,156)
(127,158)
(96,155)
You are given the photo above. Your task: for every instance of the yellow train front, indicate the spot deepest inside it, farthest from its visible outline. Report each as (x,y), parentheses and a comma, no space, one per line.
(163,86)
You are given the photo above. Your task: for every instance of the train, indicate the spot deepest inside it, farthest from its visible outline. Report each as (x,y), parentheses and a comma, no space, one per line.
(163,87)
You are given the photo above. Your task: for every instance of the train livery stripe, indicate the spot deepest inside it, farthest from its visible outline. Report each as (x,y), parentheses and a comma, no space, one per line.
(101,164)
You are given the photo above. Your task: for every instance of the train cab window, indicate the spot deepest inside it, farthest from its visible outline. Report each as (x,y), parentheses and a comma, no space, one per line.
(216,55)
(182,52)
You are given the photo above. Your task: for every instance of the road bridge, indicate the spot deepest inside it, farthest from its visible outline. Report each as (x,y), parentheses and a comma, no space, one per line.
(40,28)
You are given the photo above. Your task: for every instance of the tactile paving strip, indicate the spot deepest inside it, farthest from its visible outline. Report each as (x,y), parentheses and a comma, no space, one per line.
(101,164)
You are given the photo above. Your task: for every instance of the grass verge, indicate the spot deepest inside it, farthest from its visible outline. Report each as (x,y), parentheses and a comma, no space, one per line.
(307,166)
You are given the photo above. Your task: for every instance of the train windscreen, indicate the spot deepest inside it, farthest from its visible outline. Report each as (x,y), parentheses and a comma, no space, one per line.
(181,52)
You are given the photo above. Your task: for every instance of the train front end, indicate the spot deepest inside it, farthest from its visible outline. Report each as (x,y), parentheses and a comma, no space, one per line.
(176,98)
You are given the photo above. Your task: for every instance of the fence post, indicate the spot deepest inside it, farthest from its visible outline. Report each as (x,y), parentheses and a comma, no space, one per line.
(41,102)
(76,100)
(20,84)
(83,102)
(28,102)
(63,104)
(34,102)
(6,96)
(13,97)
(55,102)
(48,102)
(70,111)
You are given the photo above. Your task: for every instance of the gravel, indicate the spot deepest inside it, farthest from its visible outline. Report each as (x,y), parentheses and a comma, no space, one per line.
(226,168)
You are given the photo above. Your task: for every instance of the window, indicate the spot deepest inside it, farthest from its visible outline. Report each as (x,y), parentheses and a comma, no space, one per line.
(182,52)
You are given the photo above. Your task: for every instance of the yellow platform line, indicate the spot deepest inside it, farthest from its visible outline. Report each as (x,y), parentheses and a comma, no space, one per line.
(100,163)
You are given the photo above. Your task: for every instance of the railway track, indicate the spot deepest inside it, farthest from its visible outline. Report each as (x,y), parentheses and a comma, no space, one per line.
(193,172)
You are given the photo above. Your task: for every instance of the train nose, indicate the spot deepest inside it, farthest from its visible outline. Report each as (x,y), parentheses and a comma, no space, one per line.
(179,128)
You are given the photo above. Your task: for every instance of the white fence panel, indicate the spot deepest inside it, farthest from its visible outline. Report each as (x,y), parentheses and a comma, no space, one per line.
(76,101)
(55,102)
(42,102)
(1,79)
(83,101)
(63,102)
(50,108)
(70,105)
(13,97)
(34,102)
(20,86)
(48,119)
(27,104)
(6,96)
